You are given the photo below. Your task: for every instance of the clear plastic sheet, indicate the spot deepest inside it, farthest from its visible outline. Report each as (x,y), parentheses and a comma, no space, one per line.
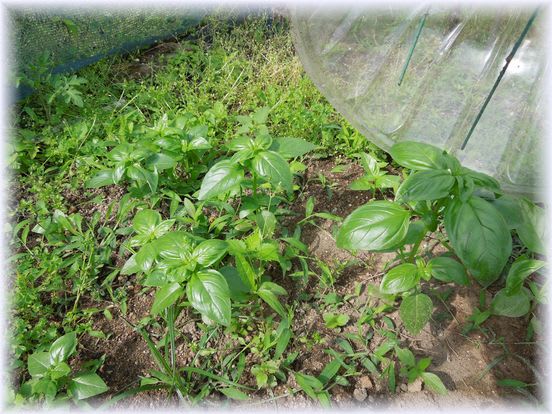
(356,56)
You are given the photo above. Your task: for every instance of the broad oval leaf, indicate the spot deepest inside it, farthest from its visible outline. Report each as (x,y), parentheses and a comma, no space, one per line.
(166,296)
(63,347)
(289,147)
(533,229)
(415,312)
(146,256)
(520,270)
(399,279)
(101,179)
(209,252)
(38,363)
(513,306)
(425,185)
(448,270)
(433,383)
(273,168)
(87,385)
(221,178)
(145,221)
(418,156)
(160,161)
(479,236)
(175,248)
(209,294)
(238,290)
(378,225)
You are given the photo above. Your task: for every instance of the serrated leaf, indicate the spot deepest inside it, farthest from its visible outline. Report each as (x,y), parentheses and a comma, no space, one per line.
(221,178)
(165,297)
(415,312)
(209,294)
(378,225)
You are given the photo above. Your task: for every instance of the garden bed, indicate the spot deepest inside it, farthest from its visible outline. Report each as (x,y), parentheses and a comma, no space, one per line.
(71,278)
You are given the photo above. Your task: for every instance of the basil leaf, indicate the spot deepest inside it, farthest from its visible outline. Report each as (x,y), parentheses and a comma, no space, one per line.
(165,297)
(160,161)
(399,279)
(175,248)
(291,147)
(38,364)
(101,179)
(514,305)
(415,312)
(533,229)
(510,209)
(520,270)
(209,252)
(418,156)
(479,236)
(87,385)
(221,178)
(433,383)
(63,347)
(273,168)
(448,270)
(378,225)
(145,221)
(238,289)
(425,185)
(209,294)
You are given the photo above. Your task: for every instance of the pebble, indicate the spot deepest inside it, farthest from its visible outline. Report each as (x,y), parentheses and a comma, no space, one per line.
(415,386)
(365,382)
(360,394)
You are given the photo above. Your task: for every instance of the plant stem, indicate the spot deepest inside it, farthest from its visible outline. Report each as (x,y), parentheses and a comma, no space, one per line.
(411,51)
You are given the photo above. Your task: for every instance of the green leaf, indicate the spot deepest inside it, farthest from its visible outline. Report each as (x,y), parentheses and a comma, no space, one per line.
(329,371)
(415,312)
(479,236)
(266,221)
(365,183)
(160,161)
(433,383)
(234,394)
(246,272)
(87,385)
(448,270)
(209,294)
(520,270)
(165,297)
(146,256)
(145,221)
(378,225)
(425,185)
(209,252)
(238,289)
(309,384)
(406,357)
(274,288)
(130,266)
(273,168)
(512,383)
(418,156)
(510,209)
(101,179)
(151,178)
(282,343)
(175,248)
(399,279)
(38,363)
(291,147)
(514,305)
(63,347)
(60,370)
(533,230)
(272,300)
(334,321)
(221,178)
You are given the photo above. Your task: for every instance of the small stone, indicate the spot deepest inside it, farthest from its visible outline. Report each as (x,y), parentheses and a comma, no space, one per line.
(365,382)
(415,386)
(404,387)
(360,394)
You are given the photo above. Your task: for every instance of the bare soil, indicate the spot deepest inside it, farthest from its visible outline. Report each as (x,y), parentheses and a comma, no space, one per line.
(468,364)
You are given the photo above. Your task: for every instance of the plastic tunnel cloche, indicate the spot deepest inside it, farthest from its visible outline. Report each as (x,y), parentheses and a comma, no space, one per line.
(423,73)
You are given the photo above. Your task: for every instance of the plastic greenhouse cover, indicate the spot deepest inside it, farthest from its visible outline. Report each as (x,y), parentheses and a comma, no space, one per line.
(356,58)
